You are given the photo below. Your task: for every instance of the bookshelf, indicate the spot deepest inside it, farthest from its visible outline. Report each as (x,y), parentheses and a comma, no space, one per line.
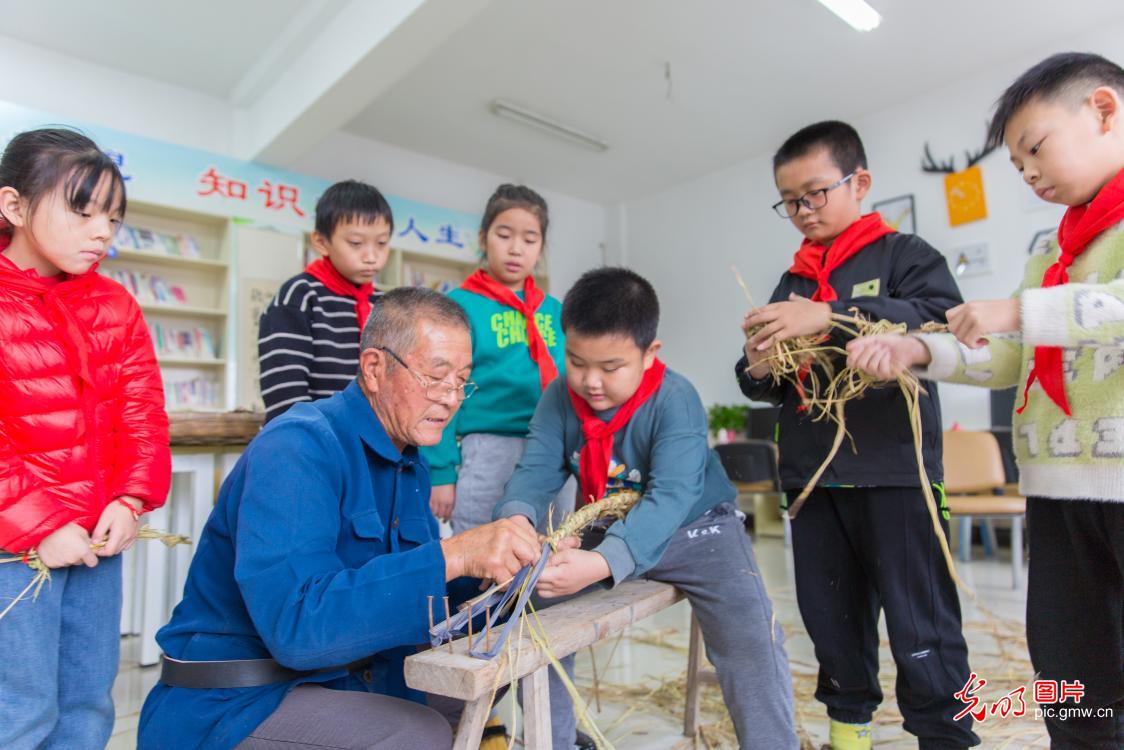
(177,265)
(202,281)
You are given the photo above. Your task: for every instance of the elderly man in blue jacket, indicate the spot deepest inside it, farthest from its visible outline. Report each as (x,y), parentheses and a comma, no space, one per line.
(310,583)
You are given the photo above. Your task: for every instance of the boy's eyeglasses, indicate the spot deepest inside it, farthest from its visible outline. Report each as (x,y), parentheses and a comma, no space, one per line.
(435,390)
(811,200)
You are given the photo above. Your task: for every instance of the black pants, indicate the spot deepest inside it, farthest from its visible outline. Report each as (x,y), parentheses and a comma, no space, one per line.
(1074,622)
(859,550)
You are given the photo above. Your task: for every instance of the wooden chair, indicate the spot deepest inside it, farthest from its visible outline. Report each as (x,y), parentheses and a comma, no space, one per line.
(752,467)
(973,474)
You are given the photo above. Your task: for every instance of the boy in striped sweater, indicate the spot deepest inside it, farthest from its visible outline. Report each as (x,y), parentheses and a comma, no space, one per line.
(308,340)
(1061,337)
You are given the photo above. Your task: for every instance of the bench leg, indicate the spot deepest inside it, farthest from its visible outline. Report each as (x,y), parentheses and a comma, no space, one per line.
(471,725)
(694,662)
(536,710)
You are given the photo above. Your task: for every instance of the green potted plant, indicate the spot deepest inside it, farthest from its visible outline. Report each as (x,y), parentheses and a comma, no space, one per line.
(727,421)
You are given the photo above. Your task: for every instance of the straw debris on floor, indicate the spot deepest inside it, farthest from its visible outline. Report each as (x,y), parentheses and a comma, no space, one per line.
(999,654)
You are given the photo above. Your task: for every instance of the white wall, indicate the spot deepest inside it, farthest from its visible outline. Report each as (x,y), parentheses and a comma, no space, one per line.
(71,88)
(686,238)
(577,231)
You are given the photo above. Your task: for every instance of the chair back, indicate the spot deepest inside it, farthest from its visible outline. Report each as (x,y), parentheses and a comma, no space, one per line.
(750,461)
(972,462)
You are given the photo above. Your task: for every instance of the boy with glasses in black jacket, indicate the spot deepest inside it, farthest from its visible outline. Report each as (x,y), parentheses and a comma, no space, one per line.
(863,541)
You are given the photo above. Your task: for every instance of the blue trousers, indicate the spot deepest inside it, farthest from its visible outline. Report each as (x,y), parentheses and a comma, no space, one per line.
(59,657)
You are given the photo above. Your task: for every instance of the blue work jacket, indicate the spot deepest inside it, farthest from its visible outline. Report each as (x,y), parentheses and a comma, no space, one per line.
(321,551)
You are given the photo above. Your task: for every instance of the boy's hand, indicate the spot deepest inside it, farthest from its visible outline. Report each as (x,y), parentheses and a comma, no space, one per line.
(758,367)
(571,570)
(887,355)
(799,316)
(65,546)
(442,498)
(117,527)
(972,322)
(570,542)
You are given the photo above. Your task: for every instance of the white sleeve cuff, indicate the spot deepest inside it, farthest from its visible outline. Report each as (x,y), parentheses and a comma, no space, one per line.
(1045,316)
(944,351)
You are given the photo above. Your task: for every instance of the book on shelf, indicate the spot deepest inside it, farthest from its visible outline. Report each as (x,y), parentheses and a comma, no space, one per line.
(443,282)
(185,342)
(148,288)
(142,240)
(197,393)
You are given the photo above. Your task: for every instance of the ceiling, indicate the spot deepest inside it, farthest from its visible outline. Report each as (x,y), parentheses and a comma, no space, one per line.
(206,45)
(743,73)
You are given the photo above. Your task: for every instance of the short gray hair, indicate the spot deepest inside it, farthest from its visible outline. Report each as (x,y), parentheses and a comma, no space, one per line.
(394,318)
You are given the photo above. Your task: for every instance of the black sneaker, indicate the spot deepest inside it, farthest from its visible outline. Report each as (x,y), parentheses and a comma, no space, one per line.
(494,736)
(584,742)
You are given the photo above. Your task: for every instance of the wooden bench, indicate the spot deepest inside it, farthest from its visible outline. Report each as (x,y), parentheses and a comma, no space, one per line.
(569,626)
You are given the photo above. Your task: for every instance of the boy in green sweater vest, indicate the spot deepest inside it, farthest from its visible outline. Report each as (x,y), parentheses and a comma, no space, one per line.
(1062,336)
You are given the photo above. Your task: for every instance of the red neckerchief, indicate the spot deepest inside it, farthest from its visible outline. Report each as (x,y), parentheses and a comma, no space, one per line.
(593,464)
(486,286)
(71,333)
(1079,227)
(323,271)
(816,261)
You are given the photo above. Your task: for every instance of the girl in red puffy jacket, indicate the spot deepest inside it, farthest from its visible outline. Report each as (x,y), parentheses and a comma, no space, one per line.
(83,437)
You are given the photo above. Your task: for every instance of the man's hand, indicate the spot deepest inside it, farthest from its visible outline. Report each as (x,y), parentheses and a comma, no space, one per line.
(571,570)
(781,321)
(442,498)
(117,526)
(972,322)
(68,545)
(493,551)
(887,355)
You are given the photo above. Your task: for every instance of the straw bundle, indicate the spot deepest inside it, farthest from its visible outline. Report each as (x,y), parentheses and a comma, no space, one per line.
(809,363)
(616,505)
(43,573)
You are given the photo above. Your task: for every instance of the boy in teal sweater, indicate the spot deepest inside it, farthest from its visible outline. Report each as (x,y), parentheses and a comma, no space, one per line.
(1061,337)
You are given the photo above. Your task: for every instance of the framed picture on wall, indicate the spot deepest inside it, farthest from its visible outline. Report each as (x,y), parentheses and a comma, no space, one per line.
(1044,242)
(898,213)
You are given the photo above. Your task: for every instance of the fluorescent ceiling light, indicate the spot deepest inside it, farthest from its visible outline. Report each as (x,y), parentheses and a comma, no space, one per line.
(857,13)
(542,122)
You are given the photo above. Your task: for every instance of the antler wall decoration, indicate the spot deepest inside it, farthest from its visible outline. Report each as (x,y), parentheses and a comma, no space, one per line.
(931,165)
(964,190)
